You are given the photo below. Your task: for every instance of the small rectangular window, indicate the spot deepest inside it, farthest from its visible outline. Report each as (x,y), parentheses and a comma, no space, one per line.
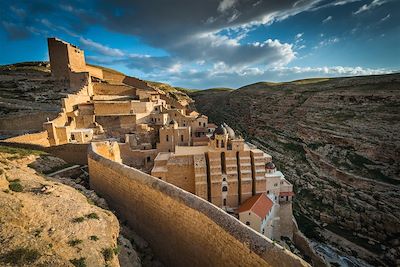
(182,138)
(167,137)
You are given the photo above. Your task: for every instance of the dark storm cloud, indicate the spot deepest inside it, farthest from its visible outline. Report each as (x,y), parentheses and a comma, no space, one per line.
(187,30)
(190,30)
(210,31)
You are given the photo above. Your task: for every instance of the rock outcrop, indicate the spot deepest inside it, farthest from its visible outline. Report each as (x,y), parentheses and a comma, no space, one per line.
(45,223)
(337,141)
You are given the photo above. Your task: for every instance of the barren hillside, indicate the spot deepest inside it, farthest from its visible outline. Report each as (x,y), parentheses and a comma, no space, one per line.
(45,223)
(338,141)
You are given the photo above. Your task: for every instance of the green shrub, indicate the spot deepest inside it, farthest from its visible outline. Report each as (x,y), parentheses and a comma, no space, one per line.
(6,191)
(20,256)
(16,187)
(117,250)
(79,262)
(74,242)
(92,216)
(78,219)
(108,254)
(93,237)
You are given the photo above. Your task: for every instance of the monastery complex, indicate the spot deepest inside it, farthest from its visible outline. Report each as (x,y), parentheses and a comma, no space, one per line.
(143,127)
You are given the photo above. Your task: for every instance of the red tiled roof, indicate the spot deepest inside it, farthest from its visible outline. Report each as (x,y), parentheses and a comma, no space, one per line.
(285,194)
(260,204)
(212,125)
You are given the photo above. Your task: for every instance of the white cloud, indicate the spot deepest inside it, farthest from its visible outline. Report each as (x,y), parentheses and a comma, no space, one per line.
(100,48)
(176,68)
(299,35)
(226,4)
(332,71)
(385,18)
(327,42)
(327,19)
(373,4)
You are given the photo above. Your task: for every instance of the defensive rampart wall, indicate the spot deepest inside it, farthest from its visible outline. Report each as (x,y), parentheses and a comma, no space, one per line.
(181,228)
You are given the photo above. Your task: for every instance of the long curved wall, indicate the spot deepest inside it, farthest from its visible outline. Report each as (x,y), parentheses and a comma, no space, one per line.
(181,228)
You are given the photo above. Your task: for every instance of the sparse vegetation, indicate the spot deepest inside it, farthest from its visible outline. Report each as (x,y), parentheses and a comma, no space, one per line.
(92,215)
(79,262)
(93,237)
(20,256)
(20,152)
(108,253)
(78,219)
(74,242)
(16,186)
(117,250)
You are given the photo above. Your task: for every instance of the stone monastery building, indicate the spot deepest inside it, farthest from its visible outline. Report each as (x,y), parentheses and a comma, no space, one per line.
(161,134)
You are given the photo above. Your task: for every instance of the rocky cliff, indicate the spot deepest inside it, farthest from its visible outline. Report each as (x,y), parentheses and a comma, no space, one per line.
(337,140)
(45,223)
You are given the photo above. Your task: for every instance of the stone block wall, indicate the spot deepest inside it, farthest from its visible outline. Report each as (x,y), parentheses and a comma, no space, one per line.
(39,139)
(113,89)
(181,228)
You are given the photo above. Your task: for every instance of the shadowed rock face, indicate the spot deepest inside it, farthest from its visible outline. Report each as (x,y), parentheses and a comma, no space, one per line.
(338,142)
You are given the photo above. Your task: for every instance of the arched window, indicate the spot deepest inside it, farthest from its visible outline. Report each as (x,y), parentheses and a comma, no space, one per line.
(224,188)
(247,223)
(224,201)
(222,143)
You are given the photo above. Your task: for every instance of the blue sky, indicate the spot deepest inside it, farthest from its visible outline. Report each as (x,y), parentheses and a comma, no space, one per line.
(212,43)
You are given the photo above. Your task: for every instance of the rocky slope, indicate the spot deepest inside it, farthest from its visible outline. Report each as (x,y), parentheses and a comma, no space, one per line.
(338,142)
(45,223)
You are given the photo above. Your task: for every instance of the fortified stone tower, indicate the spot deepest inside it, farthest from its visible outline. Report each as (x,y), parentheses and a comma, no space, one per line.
(65,58)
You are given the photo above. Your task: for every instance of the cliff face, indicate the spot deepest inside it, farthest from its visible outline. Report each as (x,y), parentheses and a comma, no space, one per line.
(45,223)
(337,141)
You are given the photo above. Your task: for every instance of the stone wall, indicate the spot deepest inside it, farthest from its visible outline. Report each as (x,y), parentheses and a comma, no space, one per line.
(113,89)
(113,77)
(32,122)
(94,71)
(71,153)
(181,228)
(33,139)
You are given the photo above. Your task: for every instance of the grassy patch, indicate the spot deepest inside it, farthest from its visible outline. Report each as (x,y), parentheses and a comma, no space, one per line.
(78,219)
(20,152)
(108,253)
(93,237)
(79,262)
(116,250)
(92,215)
(20,256)
(74,242)
(16,187)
